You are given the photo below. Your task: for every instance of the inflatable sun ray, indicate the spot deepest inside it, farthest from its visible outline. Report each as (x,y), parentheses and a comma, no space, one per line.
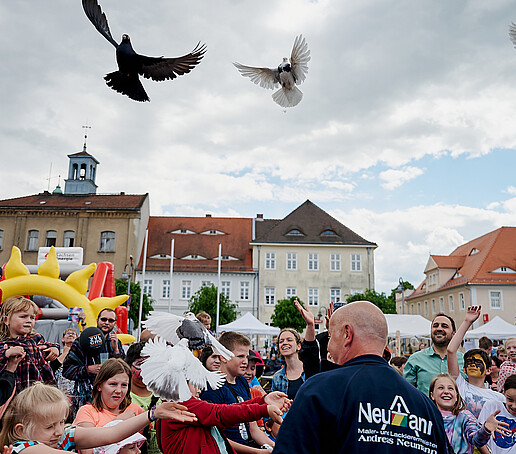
(71,292)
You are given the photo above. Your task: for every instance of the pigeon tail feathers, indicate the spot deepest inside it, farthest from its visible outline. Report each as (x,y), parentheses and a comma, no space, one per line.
(127,85)
(288,97)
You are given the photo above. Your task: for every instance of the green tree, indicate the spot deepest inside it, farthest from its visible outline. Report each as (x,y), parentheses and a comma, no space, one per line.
(379,299)
(286,315)
(121,289)
(205,299)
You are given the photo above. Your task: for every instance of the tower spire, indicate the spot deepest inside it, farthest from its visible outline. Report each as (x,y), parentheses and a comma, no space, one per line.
(85,127)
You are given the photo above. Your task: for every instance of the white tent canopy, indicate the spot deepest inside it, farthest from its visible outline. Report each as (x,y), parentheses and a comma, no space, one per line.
(497,328)
(248,324)
(408,325)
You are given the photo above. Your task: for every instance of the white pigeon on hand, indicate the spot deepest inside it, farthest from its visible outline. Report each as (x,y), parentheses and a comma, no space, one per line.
(287,74)
(168,370)
(174,327)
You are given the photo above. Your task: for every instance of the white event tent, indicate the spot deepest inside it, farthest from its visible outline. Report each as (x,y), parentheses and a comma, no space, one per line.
(497,328)
(249,325)
(408,325)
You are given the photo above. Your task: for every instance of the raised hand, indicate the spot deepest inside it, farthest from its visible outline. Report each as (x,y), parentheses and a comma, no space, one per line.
(472,313)
(307,315)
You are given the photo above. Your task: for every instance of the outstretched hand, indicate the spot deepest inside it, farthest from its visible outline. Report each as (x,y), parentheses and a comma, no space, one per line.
(472,313)
(174,411)
(275,413)
(8,449)
(278,399)
(492,425)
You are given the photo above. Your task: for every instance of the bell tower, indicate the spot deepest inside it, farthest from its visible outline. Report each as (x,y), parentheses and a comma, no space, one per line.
(82,171)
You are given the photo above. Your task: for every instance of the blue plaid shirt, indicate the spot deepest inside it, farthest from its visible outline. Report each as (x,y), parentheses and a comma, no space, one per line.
(280,380)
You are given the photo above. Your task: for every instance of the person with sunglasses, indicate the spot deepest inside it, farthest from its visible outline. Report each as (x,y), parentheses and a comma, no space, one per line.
(106,322)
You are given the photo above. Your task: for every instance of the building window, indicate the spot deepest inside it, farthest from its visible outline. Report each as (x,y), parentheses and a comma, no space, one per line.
(426,308)
(244,290)
(433,308)
(205,283)
(412,309)
(165,288)
(147,287)
(335,295)
(107,241)
(441,304)
(270,296)
(32,240)
(270,260)
(313,262)
(356,262)
(334,262)
(225,287)
(419,308)
(186,290)
(450,303)
(290,292)
(1,238)
(291,260)
(462,302)
(495,299)
(313,297)
(51,238)
(68,238)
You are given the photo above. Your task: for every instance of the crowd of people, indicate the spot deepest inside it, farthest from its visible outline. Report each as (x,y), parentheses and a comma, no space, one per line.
(337,392)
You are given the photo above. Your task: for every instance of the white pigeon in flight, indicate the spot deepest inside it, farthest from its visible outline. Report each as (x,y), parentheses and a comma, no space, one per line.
(174,327)
(287,74)
(168,370)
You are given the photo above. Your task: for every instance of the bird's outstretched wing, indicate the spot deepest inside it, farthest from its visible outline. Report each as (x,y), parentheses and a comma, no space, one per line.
(218,348)
(264,77)
(98,19)
(164,325)
(299,59)
(160,68)
(199,376)
(512,33)
(163,371)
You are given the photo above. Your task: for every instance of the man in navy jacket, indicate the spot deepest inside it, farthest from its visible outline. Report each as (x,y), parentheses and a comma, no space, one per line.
(364,406)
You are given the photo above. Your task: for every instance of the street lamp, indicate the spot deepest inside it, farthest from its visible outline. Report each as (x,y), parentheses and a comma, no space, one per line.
(401,288)
(320,314)
(127,277)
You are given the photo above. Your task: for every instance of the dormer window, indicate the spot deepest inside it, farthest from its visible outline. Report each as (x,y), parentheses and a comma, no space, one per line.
(160,256)
(504,269)
(194,257)
(226,257)
(295,232)
(183,231)
(456,275)
(328,233)
(212,232)
(474,251)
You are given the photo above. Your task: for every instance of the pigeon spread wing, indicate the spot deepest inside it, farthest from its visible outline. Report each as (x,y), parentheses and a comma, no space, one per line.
(299,59)
(164,325)
(218,348)
(512,33)
(98,19)
(163,371)
(161,68)
(199,376)
(264,77)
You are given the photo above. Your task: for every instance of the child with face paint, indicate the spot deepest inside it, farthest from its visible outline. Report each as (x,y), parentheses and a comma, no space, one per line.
(501,444)
(476,365)
(462,429)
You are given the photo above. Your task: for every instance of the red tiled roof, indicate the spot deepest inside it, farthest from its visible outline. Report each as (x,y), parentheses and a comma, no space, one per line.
(235,243)
(476,260)
(45,200)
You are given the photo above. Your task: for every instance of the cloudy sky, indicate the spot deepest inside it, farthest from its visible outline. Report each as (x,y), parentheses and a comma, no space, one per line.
(406,132)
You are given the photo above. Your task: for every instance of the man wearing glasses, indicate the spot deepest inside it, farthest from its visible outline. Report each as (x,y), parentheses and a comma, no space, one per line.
(106,322)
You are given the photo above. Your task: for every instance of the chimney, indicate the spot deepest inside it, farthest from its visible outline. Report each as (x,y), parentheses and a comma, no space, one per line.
(259,217)
(208,215)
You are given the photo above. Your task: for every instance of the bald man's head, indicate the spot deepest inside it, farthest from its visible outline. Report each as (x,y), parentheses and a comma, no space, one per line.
(356,329)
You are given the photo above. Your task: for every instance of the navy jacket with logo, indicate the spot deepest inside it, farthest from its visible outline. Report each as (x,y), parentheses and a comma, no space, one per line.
(365,406)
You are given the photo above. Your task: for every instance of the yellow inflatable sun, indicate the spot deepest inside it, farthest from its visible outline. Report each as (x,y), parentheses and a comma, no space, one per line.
(71,292)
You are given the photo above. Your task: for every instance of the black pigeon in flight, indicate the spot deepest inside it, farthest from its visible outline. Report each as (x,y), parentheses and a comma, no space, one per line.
(130,64)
